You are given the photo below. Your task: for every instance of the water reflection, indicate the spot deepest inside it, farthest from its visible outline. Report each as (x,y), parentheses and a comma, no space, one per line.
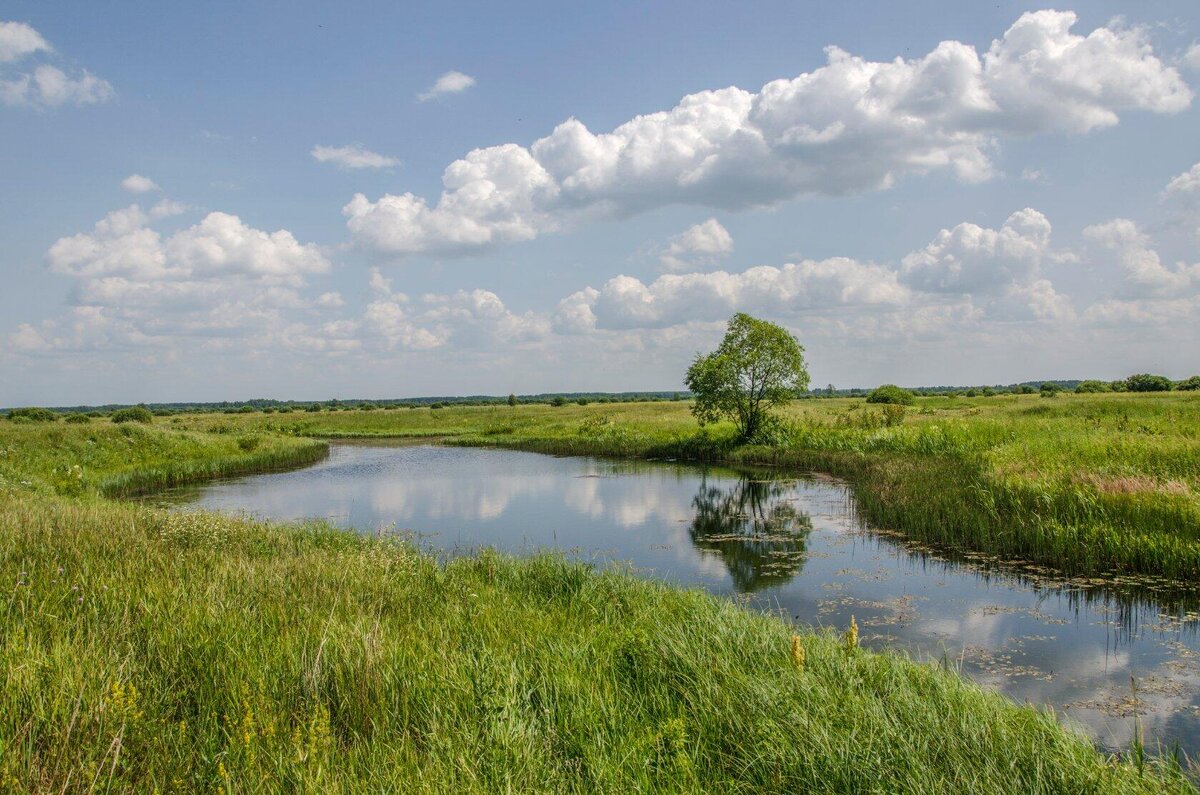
(791,545)
(758,533)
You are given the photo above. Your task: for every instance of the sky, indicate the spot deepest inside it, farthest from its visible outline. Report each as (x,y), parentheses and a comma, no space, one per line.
(227,201)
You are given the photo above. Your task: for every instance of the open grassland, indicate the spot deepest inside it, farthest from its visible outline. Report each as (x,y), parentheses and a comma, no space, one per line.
(1085,484)
(147,651)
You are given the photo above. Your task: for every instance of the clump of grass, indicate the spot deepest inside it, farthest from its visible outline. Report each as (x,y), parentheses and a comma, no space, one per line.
(153,651)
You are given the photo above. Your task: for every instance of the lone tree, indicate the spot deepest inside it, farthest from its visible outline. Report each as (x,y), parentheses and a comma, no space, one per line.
(758,365)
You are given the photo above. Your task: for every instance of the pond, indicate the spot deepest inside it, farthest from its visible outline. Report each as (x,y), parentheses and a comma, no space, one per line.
(1103,658)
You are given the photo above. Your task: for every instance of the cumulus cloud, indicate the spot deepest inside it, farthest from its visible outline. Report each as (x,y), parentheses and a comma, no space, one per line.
(850,126)
(1145,276)
(625,302)
(702,244)
(48,87)
(1191,58)
(352,156)
(133,287)
(450,83)
(1187,183)
(18,40)
(136,183)
(971,259)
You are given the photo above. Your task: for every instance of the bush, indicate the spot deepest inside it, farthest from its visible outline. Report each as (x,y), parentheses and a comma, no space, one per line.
(313,407)
(78,419)
(1189,385)
(1090,386)
(1117,386)
(1145,382)
(987,391)
(559,400)
(1024,389)
(33,414)
(890,393)
(245,409)
(134,414)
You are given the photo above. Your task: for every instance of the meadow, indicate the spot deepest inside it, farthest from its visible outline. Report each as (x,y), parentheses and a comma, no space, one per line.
(146,650)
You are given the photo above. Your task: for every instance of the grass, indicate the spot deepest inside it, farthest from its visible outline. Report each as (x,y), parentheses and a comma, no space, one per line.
(145,651)
(150,651)
(1084,484)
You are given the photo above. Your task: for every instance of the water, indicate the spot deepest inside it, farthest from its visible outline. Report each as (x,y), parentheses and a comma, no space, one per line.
(1102,657)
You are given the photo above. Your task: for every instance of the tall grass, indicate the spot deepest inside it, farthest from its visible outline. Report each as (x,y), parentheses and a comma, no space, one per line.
(145,651)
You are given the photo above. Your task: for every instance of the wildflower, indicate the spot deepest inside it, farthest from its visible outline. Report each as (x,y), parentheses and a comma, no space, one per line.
(852,636)
(797,653)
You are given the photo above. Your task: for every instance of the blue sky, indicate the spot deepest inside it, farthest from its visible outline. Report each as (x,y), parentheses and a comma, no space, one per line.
(591,192)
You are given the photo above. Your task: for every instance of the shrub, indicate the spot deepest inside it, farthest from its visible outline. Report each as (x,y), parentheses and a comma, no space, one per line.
(559,400)
(1145,382)
(77,419)
(1049,389)
(1189,385)
(582,401)
(972,393)
(1090,386)
(1024,389)
(313,407)
(890,393)
(33,414)
(893,414)
(1117,386)
(133,414)
(245,409)
(987,391)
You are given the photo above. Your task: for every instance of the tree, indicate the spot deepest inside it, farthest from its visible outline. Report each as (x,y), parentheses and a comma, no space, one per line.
(1144,382)
(512,399)
(1092,386)
(757,366)
(890,393)
(1189,385)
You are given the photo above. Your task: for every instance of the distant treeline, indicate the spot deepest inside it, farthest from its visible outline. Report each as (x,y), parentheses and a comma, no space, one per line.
(1135,383)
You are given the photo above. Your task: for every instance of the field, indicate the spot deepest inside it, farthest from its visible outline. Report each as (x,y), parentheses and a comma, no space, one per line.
(149,651)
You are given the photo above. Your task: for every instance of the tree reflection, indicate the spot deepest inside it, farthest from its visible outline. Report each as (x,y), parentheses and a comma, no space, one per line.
(760,536)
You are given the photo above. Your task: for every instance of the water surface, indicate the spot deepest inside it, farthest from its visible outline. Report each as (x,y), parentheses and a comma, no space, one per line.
(1101,657)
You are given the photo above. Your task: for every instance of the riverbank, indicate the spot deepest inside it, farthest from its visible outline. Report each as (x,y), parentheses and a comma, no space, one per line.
(148,650)
(1084,484)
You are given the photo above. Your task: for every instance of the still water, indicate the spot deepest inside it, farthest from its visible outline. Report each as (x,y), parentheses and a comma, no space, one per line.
(1103,658)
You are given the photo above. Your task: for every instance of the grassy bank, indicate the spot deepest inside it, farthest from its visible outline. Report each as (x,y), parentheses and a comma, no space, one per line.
(145,651)
(1085,484)
(122,460)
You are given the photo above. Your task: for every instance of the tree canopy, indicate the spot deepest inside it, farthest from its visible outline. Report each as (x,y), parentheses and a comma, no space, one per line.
(757,366)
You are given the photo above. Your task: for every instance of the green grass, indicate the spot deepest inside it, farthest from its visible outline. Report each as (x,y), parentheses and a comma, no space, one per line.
(1085,484)
(145,651)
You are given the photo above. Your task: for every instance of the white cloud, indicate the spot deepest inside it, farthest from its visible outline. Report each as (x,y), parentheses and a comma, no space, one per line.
(136,183)
(18,40)
(450,83)
(972,259)
(626,303)
(1145,276)
(1186,183)
(702,244)
(850,126)
(352,156)
(48,87)
(1191,58)
(217,279)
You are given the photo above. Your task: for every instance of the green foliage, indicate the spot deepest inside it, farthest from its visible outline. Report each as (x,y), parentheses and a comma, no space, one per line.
(77,419)
(33,414)
(890,393)
(758,366)
(1189,384)
(133,414)
(1145,382)
(512,400)
(1092,387)
(558,401)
